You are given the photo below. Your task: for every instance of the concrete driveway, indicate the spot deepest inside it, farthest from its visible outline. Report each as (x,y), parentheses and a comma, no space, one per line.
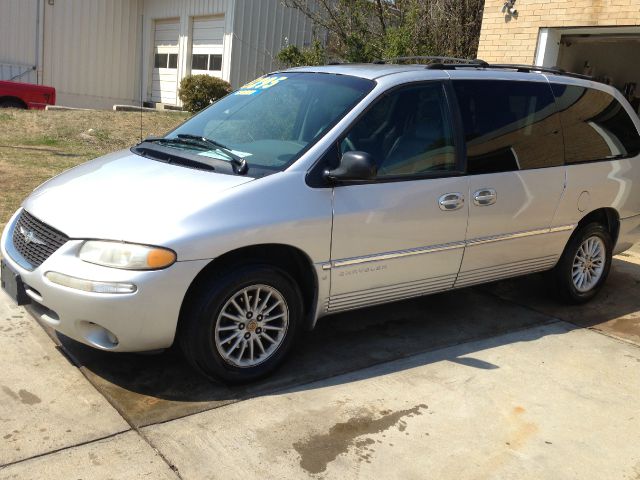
(492,382)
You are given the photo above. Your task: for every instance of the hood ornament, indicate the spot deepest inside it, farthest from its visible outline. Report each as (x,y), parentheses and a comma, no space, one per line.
(30,237)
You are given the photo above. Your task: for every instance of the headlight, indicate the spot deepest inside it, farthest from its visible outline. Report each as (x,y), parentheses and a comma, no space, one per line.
(126,255)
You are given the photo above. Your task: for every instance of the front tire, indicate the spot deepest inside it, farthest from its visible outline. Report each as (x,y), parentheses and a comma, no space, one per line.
(584,265)
(242,324)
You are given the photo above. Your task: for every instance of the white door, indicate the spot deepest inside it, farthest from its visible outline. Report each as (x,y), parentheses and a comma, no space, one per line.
(515,163)
(165,62)
(401,235)
(207,46)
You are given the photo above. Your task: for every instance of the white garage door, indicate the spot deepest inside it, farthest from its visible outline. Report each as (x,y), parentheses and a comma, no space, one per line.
(165,61)
(206,50)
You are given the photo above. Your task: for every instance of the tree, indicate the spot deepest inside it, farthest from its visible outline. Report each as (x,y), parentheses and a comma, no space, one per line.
(292,56)
(368,30)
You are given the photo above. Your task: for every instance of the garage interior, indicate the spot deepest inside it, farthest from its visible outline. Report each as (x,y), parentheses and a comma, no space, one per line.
(612,59)
(609,54)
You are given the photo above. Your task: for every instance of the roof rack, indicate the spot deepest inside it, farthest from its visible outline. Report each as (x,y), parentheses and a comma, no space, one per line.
(451,63)
(436,60)
(508,66)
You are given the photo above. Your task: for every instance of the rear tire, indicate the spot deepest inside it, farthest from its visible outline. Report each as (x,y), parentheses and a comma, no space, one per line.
(12,103)
(242,324)
(584,265)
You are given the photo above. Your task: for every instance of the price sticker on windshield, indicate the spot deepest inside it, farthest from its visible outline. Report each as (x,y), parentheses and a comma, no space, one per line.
(259,84)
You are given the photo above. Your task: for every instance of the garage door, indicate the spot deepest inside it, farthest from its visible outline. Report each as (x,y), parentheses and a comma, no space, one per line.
(165,61)
(207,39)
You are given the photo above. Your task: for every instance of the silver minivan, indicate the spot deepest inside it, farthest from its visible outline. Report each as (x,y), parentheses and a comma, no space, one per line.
(323,189)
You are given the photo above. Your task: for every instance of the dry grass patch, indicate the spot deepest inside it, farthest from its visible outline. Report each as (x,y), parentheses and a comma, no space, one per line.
(36,145)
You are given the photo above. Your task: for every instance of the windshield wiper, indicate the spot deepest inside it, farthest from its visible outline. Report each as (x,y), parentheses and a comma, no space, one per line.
(238,161)
(240,164)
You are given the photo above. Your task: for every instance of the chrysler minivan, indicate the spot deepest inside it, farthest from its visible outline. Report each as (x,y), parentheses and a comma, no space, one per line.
(318,190)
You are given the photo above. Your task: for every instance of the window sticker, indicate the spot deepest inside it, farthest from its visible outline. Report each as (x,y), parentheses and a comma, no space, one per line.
(259,84)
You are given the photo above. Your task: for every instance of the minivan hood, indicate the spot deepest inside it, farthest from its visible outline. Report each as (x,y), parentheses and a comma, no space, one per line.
(123,196)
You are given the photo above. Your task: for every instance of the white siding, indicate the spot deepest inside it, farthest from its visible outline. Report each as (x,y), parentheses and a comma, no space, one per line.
(260,30)
(91,51)
(18,39)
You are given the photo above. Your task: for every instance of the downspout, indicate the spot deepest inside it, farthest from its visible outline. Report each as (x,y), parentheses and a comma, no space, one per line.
(228,49)
(39,58)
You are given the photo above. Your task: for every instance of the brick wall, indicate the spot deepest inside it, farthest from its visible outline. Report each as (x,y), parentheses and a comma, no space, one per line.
(513,40)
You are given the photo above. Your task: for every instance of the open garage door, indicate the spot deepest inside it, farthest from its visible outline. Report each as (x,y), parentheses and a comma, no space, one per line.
(609,54)
(165,61)
(207,43)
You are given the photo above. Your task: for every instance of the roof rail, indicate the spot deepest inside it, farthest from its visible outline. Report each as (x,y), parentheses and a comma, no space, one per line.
(434,60)
(517,67)
(538,68)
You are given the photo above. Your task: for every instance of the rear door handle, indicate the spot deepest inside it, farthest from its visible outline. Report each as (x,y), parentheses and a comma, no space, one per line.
(485,197)
(451,201)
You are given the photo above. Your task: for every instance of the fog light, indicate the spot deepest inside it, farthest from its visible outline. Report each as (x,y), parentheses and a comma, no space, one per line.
(89,285)
(97,335)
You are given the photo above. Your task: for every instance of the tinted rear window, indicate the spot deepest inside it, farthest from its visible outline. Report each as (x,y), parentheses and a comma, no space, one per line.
(595,125)
(509,125)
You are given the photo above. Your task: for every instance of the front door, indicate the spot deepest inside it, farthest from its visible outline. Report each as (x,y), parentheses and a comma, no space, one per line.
(401,235)
(516,177)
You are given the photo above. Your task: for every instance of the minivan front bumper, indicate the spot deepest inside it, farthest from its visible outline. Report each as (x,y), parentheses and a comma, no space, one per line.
(126,322)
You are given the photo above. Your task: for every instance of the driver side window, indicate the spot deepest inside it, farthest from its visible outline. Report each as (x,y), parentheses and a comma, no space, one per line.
(408,132)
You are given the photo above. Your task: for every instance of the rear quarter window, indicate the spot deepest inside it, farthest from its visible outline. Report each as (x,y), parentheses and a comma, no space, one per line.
(509,125)
(595,125)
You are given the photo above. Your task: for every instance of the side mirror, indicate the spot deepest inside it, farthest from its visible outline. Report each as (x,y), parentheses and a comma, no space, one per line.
(354,167)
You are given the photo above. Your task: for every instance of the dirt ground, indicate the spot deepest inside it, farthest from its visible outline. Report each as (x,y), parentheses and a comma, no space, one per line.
(36,145)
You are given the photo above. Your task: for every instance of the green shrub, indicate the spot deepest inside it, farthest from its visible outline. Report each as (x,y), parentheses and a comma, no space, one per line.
(200,91)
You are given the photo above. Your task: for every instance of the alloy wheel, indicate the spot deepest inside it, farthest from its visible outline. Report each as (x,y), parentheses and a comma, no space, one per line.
(588,264)
(251,326)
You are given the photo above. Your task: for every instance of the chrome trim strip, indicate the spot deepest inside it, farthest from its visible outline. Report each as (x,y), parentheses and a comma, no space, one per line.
(397,254)
(506,236)
(563,228)
(511,236)
(443,247)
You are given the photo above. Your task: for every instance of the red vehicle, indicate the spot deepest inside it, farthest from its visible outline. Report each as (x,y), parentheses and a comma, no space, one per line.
(26,95)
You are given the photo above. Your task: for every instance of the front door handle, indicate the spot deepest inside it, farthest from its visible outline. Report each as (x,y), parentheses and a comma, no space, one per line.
(484,197)
(451,201)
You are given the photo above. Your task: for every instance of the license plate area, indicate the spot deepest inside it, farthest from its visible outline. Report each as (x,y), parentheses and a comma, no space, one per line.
(12,284)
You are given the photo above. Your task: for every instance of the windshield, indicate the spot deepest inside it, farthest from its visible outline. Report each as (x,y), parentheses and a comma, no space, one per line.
(271,121)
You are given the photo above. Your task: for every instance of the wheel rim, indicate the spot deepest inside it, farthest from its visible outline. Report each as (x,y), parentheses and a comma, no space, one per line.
(588,264)
(251,326)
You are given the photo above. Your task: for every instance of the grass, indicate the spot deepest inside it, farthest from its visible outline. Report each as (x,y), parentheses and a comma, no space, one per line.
(36,145)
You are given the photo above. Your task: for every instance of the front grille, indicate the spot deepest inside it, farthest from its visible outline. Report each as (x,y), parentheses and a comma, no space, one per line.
(35,240)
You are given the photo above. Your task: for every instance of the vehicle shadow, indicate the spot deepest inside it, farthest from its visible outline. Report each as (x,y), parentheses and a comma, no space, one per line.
(147,389)
(616,310)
